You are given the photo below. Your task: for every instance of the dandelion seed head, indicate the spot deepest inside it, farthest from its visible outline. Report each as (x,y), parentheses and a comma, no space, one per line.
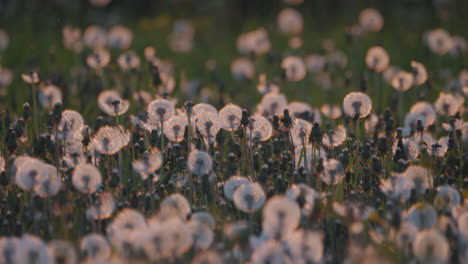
(370,19)
(102,208)
(242,68)
(281,216)
(406,235)
(304,111)
(331,111)
(8,248)
(439,41)
(49,96)
(421,177)
(95,247)
(398,188)
(208,124)
(306,246)
(51,185)
(151,162)
(231,185)
(199,162)
(270,252)
(419,73)
(95,36)
(357,105)
(204,218)
(294,68)
(30,173)
(249,197)
(300,132)
(333,172)
(334,138)
(175,205)
(305,196)
(255,41)
(174,128)
(119,37)
(290,21)
(230,117)
(62,251)
(202,235)
(99,58)
(259,128)
(207,257)
(422,215)
(129,61)
(160,110)
(32,249)
(167,83)
(112,104)
(86,178)
(431,247)
(410,149)
(377,59)
(315,63)
(427,110)
(447,197)
(412,119)
(126,222)
(30,78)
(402,81)
(70,124)
(199,109)
(71,38)
(110,140)
(179,236)
(142,97)
(448,104)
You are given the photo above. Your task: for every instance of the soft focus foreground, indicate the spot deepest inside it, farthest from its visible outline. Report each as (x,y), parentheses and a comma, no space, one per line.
(220,132)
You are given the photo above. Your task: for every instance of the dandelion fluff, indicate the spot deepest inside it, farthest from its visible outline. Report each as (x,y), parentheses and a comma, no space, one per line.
(62,251)
(199,162)
(160,110)
(230,117)
(249,197)
(32,249)
(174,128)
(86,178)
(335,137)
(422,215)
(111,103)
(357,105)
(110,140)
(281,216)
(259,128)
(333,172)
(94,246)
(30,173)
(377,59)
(431,247)
(176,205)
(232,184)
(103,207)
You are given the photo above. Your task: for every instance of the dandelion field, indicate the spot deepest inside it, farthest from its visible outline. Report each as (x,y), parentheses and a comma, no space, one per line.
(286,131)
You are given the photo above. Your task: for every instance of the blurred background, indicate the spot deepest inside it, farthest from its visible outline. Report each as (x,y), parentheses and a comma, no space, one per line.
(35,31)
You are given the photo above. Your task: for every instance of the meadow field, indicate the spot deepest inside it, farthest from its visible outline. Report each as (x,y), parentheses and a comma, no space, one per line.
(218,131)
